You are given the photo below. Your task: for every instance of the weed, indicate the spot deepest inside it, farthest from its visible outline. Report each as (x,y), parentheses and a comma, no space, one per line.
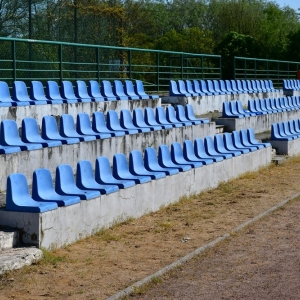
(51,258)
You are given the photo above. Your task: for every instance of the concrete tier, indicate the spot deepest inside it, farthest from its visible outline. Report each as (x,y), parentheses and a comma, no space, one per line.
(286,147)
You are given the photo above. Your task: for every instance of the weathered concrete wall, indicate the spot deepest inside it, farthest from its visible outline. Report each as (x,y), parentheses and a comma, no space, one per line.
(27,161)
(259,123)
(205,104)
(65,225)
(56,110)
(290,148)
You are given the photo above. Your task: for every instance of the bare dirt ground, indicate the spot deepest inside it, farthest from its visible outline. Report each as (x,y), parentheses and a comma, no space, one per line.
(97,267)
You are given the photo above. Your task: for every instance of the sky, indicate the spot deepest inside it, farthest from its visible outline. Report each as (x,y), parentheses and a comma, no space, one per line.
(295,4)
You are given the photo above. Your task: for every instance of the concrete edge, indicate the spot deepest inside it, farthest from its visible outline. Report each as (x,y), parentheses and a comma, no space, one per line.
(129,290)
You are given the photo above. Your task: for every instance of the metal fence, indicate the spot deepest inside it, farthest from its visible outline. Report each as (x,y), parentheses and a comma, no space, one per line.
(29,60)
(254,68)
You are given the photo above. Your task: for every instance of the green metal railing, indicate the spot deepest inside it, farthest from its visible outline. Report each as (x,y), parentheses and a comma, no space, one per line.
(276,70)
(29,60)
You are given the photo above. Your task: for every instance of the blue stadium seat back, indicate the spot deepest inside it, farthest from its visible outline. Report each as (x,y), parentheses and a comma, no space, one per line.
(182,89)
(288,104)
(220,146)
(113,123)
(43,189)
(258,84)
(189,88)
(189,154)
(245,140)
(151,163)
(85,179)
(99,125)
(18,197)
(203,88)
(296,125)
(287,131)
(180,115)
(65,184)
(53,92)
(254,86)
(227,111)
(292,128)
(103,174)
(295,103)
(173,89)
(81,91)
(5,99)
(196,87)
(50,131)
(171,116)
(178,157)
(94,91)
(137,166)
(217,87)
(234,109)
(106,90)
(263,106)
(165,160)
(281,130)
(20,94)
(201,152)
(230,145)
(84,127)
(189,113)
(274,106)
(276,134)
(237,142)
(234,86)
(250,87)
(283,105)
(245,87)
(210,87)
(67,92)
(139,121)
(211,150)
(223,87)
(240,110)
(252,108)
(161,118)
(278,104)
(121,170)
(240,86)
(270,105)
(229,87)
(31,134)
(140,91)
(129,90)
(37,93)
(263,86)
(118,90)
(9,136)
(67,129)
(126,122)
(257,105)
(150,119)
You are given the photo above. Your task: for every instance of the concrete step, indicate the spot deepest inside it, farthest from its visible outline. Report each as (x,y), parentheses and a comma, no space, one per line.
(8,239)
(220,129)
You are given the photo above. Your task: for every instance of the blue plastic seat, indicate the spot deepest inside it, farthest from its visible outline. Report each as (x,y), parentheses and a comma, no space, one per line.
(196,87)
(65,184)
(283,104)
(37,93)
(211,150)
(200,151)
(189,113)
(264,107)
(150,119)
(5,98)
(264,86)
(94,91)
(288,132)
(252,108)
(278,104)
(173,89)
(99,125)
(178,157)
(182,89)
(254,86)
(53,92)
(229,87)
(270,104)
(277,135)
(297,125)
(252,139)
(180,115)
(240,86)
(50,131)
(118,90)
(234,87)
(250,87)
(106,90)
(246,142)
(245,87)
(9,136)
(140,91)
(137,166)
(18,197)
(220,146)
(227,111)
(217,88)
(67,129)
(31,134)
(189,154)
(210,87)
(103,174)
(151,163)
(284,131)
(9,149)
(20,94)
(189,88)
(165,160)
(230,145)
(121,170)
(67,92)
(237,108)
(171,116)
(138,120)
(161,118)
(292,128)
(113,123)
(126,122)
(85,179)
(241,111)
(238,143)
(43,189)
(81,91)
(203,88)
(223,87)
(257,104)
(129,90)
(259,86)
(84,127)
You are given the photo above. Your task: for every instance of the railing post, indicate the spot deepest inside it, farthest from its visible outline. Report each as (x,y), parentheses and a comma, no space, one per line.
(14,62)
(234,70)
(157,71)
(202,58)
(98,63)
(129,64)
(220,59)
(60,55)
(255,68)
(181,65)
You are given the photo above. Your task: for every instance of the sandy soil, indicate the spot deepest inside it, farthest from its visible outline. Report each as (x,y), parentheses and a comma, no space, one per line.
(98,267)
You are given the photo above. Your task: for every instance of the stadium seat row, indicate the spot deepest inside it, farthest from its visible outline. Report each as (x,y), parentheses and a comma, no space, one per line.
(139,170)
(53,94)
(187,88)
(285,131)
(84,130)
(291,84)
